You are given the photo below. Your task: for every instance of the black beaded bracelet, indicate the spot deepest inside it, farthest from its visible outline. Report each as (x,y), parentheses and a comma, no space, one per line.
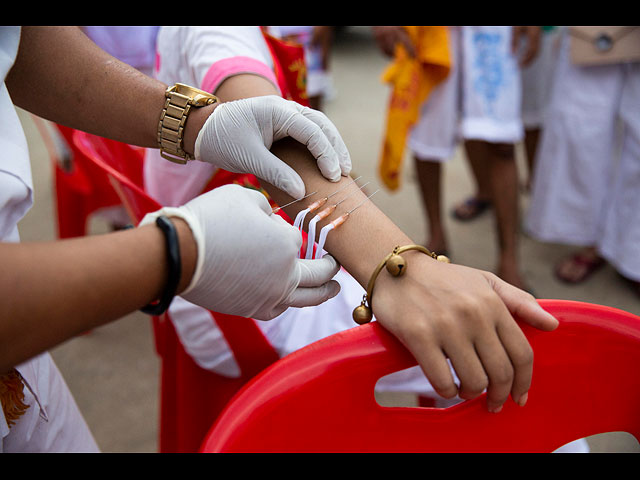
(175,268)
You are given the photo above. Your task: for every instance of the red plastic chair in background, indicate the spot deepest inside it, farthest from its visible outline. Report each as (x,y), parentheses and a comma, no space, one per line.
(191,397)
(321,398)
(81,188)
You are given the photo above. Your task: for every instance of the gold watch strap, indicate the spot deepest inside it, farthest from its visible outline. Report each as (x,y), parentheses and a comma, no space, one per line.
(180,99)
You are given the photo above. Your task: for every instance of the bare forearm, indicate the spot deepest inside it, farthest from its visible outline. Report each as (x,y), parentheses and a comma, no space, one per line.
(365,238)
(54,291)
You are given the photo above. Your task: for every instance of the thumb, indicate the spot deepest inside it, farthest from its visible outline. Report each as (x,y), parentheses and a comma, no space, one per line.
(317,272)
(312,296)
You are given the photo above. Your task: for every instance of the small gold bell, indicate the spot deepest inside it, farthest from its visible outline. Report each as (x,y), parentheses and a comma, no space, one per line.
(362,314)
(443,258)
(396,265)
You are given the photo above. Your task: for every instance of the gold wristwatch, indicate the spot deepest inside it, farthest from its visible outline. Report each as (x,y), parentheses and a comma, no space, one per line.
(180,99)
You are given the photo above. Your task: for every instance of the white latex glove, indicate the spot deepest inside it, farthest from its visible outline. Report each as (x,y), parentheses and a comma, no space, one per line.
(247,256)
(237,137)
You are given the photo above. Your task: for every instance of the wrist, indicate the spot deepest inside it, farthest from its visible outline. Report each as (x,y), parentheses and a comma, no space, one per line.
(188,252)
(402,273)
(195,122)
(181,105)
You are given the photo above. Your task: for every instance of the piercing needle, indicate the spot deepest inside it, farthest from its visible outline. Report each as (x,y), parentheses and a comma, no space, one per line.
(275,210)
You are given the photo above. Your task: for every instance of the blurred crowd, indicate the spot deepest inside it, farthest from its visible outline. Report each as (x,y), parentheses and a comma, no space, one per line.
(570,95)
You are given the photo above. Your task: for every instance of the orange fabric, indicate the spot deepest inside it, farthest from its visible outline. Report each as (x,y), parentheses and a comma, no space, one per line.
(412,80)
(12,396)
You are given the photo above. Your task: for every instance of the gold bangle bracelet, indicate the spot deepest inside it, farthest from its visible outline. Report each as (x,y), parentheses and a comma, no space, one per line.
(396,266)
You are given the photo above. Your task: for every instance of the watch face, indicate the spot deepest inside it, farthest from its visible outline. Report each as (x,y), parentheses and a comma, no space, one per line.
(198,97)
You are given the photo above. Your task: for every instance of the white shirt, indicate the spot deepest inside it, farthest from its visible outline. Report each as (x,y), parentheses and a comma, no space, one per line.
(52,423)
(202,57)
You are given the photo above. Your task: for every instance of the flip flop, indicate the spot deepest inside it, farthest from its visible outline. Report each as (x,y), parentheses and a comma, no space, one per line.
(470,209)
(588,263)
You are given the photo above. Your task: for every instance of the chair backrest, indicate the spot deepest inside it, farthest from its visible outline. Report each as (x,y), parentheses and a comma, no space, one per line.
(321,398)
(122,165)
(80,188)
(192,397)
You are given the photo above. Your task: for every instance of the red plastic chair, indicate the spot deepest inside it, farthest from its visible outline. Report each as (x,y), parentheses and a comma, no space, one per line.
(321,398)
(191,397)
(81,188)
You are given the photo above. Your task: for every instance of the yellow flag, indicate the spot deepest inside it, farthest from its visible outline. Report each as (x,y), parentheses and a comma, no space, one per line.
(411,80)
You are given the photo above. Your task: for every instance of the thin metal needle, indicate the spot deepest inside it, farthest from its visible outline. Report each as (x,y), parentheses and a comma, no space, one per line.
(275,210)
(340,189)
(360,188)
(362,203)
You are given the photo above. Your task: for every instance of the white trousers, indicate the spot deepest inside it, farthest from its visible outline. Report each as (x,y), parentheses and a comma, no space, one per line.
(587,175)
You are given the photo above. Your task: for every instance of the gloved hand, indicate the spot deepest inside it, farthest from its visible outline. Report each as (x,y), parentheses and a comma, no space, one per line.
(247,256)
(237,137)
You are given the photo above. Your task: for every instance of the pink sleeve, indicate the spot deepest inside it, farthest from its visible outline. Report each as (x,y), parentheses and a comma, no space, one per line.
(228,67)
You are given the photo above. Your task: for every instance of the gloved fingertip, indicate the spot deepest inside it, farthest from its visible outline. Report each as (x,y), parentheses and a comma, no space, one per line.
(345,167)
(329,258)
(334,175)
(334,288)
(294,189)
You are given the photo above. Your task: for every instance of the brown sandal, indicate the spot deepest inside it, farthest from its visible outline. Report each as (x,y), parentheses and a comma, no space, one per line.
(585,263)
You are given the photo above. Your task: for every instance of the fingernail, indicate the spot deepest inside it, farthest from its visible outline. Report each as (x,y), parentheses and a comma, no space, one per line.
(497,409)
(523,399)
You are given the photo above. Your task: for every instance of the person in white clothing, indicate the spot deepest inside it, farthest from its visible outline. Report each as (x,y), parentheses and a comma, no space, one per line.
(588,170)
(536,91)
(479,103)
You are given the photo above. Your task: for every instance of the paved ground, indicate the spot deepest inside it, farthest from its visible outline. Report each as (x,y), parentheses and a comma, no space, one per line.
(113,371)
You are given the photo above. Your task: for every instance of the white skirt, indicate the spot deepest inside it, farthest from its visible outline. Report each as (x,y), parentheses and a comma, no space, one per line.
(587,174)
